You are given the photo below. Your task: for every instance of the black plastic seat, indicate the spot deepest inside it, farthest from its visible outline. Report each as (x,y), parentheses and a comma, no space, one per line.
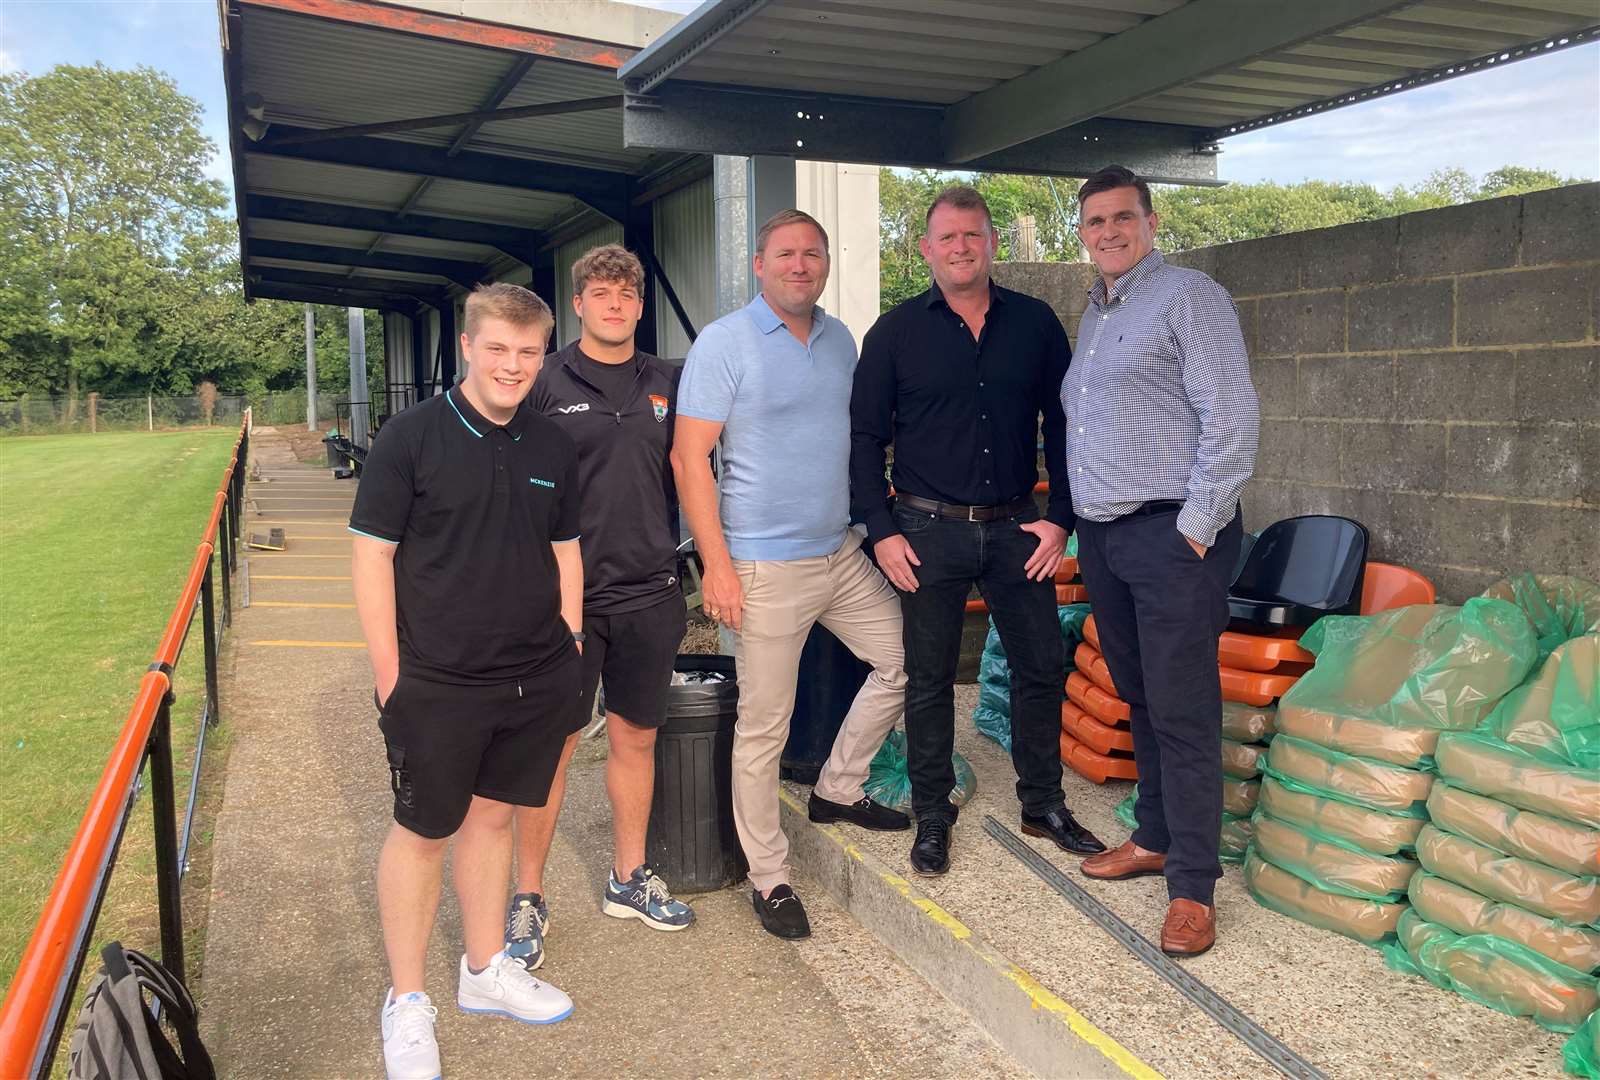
(1299,570)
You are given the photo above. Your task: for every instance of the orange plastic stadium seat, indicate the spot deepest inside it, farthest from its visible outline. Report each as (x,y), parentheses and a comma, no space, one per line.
(1092,664)
(1104,707)
(1065,594)
(1092,733)
(1254,687)
(1096,767)
(1067,572)
(1387,587)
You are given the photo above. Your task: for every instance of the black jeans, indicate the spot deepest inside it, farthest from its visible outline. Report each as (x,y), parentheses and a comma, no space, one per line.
(954,556)
(1159,609)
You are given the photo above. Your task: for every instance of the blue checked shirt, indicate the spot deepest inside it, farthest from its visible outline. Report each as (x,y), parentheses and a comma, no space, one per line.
(1158,400)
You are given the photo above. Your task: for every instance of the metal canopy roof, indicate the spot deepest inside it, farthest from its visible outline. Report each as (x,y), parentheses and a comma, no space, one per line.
(1053,85)
(433,201)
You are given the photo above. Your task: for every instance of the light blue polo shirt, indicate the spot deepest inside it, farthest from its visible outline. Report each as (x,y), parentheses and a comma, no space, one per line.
(785,411)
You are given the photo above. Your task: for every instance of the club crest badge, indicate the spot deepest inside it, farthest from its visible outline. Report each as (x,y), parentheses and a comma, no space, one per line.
(658,405)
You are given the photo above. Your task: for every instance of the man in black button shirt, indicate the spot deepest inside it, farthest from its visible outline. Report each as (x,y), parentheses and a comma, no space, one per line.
(957,380)
(469,586)
(616,403)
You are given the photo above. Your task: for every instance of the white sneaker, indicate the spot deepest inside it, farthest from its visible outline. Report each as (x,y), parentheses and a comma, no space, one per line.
(506,989)
(409,1049)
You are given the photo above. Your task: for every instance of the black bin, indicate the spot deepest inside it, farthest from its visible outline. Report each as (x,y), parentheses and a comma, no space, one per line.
(691,840)
(830,678)
(330,444)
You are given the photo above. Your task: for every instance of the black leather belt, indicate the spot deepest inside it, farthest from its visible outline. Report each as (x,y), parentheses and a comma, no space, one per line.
(966,513)
(1160,506)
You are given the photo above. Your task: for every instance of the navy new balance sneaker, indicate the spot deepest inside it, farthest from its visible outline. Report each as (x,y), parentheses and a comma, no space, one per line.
(644,896)
(527,922)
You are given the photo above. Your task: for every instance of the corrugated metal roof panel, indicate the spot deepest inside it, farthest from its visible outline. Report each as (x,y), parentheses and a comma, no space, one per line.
(486,202)
(296,233)
(326,183)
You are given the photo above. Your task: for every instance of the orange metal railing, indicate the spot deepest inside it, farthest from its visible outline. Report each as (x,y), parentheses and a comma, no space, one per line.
(34,1011)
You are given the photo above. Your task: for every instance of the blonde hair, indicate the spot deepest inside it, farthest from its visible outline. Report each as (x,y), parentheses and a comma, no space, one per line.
(788,217)
(608,262)
(512,303)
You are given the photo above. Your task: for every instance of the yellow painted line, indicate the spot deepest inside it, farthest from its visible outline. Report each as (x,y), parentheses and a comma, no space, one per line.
(298,577)
(1040,995)
(295,604)
(314,644)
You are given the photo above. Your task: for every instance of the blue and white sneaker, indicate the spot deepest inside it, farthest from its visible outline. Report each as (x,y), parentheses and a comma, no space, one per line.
(527,922)
(645,897)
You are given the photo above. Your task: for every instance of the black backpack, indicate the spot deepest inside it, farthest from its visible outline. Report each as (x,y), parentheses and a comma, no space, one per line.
(118,1036)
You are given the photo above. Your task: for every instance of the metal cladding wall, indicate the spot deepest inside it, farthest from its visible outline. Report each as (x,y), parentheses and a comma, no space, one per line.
(686,245)
(567,328)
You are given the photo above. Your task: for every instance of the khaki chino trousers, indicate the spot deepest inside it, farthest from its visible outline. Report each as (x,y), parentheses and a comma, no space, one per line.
(782,601)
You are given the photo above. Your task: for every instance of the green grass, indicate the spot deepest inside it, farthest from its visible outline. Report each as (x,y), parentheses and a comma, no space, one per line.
(96,535)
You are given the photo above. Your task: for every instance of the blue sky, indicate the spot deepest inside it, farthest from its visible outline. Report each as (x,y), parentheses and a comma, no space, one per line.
(1543,113)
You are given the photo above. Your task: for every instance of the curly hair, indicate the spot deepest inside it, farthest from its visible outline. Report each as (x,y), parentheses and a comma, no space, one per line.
(608,262)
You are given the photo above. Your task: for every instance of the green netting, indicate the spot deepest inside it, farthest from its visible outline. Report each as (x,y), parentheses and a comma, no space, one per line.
(1489,767)
(1495,972)
(1559,607)
(1362,827)
(1541,889)
(1555,714)
(1464,911)
(992,716)
(889,783)
(1331,772)
(1565,845)
(1329,863)
(1379,680)
(1581,1053)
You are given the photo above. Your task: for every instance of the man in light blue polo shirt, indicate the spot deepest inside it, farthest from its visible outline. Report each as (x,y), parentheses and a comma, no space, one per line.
(772,382)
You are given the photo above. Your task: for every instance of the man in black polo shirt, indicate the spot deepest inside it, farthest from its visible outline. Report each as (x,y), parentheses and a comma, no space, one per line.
(957,379)
(469,586)
(616,403)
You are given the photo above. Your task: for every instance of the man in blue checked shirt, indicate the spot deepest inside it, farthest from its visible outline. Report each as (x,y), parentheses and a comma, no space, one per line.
(1161,438)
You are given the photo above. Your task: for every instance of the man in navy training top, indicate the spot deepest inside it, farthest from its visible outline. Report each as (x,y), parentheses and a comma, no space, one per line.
(616,403)
(469,586)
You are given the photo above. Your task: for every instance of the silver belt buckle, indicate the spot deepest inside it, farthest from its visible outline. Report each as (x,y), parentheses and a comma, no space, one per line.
(972,515)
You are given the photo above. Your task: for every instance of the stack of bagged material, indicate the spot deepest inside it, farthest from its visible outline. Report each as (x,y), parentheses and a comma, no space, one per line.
(1348,776)
(1246,730)
(1506,910)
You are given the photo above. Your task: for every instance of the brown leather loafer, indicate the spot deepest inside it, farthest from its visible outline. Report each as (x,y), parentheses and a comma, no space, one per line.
(1123,862)
(1190,929)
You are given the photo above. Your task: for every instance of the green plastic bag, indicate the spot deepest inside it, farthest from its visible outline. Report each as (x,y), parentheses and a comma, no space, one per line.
(889,783)
(1559,607)
(1490,768)
(1498,973)
(1422,668)
(1581,1053)
(1331,864)
(992,716)
(1555,714)
(1306,766)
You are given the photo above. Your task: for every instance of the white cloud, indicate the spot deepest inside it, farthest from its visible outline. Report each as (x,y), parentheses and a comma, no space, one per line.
(8,63)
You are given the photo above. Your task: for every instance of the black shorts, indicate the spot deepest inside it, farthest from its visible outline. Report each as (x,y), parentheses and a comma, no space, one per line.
(633,653)
(448,742)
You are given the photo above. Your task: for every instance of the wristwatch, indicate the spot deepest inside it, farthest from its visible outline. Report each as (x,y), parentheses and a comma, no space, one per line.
(579,637)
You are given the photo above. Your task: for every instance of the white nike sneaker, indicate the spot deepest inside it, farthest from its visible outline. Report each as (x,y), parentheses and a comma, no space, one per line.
(409,1049)
(506,989)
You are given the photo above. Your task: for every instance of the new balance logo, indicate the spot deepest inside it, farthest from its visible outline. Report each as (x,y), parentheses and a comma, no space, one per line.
(582,406)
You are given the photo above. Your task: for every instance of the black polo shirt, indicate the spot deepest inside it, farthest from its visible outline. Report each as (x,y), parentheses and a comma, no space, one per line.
(474,508)
(623,431)
(964,413)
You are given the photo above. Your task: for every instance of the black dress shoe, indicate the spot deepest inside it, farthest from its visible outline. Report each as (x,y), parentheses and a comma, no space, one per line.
(865,813)
(781,913)
(1060,826)
(930,853)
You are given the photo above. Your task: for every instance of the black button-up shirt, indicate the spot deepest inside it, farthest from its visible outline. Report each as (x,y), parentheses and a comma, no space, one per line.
(963,413)
(474,507)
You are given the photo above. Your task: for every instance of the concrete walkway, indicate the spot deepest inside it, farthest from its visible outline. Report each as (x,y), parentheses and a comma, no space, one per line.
(293,970)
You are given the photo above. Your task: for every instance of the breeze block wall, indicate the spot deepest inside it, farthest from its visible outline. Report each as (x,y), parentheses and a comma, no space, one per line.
(1435,376)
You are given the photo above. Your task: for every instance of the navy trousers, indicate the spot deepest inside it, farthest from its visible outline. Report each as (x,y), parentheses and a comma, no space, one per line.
(1159,609)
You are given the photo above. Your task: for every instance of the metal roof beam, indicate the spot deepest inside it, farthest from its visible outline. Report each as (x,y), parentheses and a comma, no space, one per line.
(463,273)
(711,120)
(605,191)
(685,40)
(477,117)
(312,294)
(1190,42)
(338,282)
(507,238)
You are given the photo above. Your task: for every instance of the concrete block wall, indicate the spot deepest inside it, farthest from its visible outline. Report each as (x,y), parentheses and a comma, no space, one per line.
(1435,376)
